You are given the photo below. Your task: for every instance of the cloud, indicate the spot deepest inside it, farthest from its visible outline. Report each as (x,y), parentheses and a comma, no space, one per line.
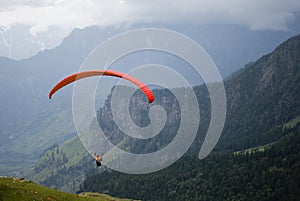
(69,14)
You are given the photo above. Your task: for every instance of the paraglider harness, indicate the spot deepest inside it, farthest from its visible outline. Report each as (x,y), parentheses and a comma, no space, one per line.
(98,159)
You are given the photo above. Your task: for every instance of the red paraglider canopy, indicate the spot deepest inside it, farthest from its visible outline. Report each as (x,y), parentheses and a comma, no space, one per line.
(90,73)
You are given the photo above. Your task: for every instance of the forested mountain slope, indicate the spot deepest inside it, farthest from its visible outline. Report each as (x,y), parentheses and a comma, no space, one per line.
(263,173)
(263,112)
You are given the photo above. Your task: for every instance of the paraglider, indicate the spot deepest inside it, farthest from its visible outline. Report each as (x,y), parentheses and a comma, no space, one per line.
(98,159)
(89,73)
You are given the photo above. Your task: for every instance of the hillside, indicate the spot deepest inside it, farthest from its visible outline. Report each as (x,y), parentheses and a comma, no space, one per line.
(63,167)
(262,97)
(262,119)
(19,189)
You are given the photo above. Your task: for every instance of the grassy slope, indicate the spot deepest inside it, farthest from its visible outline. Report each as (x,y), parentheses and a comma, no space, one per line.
(292,123)
(73,150)
(16,189)
(68,163)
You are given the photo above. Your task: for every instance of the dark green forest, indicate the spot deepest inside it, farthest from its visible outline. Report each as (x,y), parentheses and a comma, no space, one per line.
(266,173)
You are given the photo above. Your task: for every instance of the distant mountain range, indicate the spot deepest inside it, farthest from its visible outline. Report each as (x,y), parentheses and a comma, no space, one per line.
(18,42)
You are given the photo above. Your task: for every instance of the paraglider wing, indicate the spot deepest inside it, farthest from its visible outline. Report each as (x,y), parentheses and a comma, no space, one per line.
(90,73)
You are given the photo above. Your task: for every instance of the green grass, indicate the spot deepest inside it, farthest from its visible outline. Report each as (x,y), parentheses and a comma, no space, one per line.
(17,189)
(292,123)
(74,151)
(255,149)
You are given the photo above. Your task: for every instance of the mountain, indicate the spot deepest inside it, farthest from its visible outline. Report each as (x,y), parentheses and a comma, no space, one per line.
(263,96)
(21,189)
(257,157)
(262,117)
(30,123)
(17,42)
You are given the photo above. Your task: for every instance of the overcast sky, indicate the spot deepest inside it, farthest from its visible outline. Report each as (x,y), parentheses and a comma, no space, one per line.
(69,14)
